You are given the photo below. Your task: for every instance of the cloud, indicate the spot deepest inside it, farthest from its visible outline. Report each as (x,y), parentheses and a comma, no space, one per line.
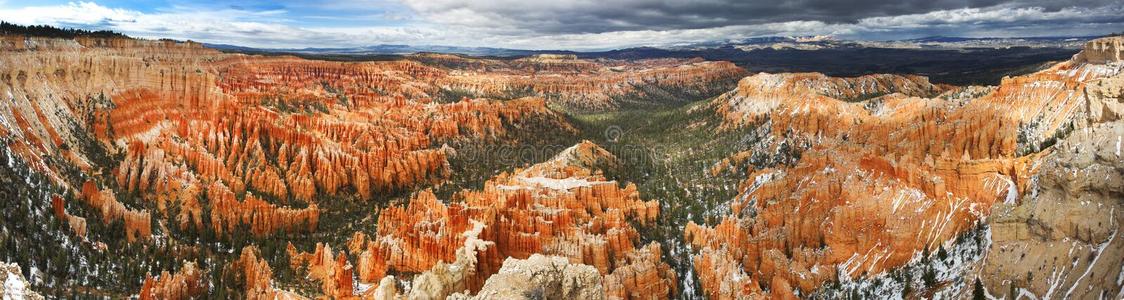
(998,16)
(598,23)
(575,24)
(598,16)
(73,13)
(224,25)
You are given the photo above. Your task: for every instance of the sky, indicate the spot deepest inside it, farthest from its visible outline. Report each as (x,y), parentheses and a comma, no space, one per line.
(564,24)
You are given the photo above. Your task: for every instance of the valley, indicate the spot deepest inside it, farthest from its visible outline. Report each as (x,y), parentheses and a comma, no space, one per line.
(168,170)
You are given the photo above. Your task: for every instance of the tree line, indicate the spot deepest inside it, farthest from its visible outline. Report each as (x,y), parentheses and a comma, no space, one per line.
(55,32)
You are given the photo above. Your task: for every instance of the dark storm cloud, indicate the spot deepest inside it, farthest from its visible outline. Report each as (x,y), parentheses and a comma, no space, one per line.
(582,16)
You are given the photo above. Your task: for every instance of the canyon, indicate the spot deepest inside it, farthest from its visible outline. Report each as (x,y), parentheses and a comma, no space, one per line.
(186,172)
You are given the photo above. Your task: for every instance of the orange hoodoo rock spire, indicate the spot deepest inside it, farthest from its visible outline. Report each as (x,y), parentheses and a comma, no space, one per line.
(562,207)
(185,284)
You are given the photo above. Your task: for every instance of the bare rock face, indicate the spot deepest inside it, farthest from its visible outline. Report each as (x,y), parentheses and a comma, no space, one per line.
(1104,50)
(641,274)
(13,285)
(1106,100)
(541,277)
(1063,240)
(562,207)
(263,217)
(857,176)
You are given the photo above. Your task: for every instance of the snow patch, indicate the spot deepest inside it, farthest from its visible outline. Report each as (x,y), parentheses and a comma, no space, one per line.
(559,184)
(762,179)
(14,288)
(1100,250)
(1118,146)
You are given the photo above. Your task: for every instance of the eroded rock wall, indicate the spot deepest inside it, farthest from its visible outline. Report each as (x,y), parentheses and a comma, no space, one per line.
(1063,239)
(880,179)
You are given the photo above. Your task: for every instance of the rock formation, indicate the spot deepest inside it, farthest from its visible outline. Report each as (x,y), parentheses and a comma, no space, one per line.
(77,224)
(251,135)
(848,178)
(881,174)
(185,284)
(541,277)
(334,272)
(1102,51)
(13,285)
(1062,240)
(256,276)
(561,207)
(138,224)
(588,86)
(207,141)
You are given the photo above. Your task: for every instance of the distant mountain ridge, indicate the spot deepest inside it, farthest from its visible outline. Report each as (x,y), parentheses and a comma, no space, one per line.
(388,49)
(774,42)
(951,60)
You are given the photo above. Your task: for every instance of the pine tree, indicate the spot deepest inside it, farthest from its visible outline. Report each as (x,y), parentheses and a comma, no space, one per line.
(930,277)
(978,291)
(908,283)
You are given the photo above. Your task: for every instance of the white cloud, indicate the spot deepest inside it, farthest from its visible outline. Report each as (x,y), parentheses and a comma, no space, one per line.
(617,39)
(995,15)
(240,27)
(445,22)
(73,13)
